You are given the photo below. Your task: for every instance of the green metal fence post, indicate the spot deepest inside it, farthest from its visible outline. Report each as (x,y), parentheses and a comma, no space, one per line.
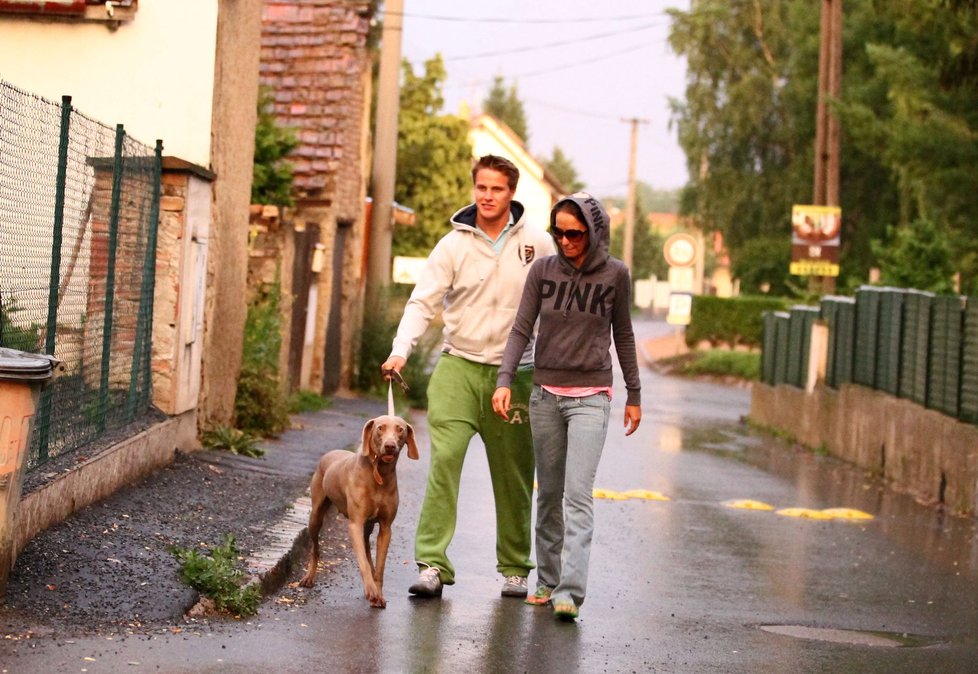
(144,326)
(103,400)
(44,408)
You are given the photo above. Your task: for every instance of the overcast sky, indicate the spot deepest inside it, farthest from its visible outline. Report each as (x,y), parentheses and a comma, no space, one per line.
(580,68)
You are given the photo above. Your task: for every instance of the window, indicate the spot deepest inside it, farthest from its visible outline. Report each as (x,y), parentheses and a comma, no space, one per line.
(85,10)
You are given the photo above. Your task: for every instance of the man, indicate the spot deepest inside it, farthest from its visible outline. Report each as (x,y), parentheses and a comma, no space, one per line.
(475,274)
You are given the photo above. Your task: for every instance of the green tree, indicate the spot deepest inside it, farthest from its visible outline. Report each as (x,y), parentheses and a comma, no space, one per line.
(647,256)
(657,201)
(272,174)
(735,124)
(916,107)
(908,111)
(434,160)
(918,257)
(505,105)
(761,266)
(563,169)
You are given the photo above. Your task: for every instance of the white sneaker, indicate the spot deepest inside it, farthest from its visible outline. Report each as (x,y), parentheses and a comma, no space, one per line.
(514,586)
(428,583)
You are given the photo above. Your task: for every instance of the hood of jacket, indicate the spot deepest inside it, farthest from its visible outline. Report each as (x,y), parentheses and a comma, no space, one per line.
(464,218)
(599,233)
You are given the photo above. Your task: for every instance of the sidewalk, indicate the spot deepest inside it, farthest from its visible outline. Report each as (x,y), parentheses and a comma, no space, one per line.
(108,567)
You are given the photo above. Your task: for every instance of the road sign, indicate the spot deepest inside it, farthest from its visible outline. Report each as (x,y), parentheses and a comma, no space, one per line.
(680,250)
(680,308)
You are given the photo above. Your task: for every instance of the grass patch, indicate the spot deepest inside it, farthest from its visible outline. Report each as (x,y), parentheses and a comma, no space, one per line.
(716,363)
(307,401)
(218,577)
(233,440)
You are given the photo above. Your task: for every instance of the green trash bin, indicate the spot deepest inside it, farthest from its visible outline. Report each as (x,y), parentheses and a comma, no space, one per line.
(21,377)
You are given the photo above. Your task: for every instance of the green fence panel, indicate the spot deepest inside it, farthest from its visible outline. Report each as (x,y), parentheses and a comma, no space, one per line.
(968,409)
(944,357)
(867,332)
(768,346)
(888,340)
(828,311)
(801,319)
(915,345)
(781,350)
(838,313)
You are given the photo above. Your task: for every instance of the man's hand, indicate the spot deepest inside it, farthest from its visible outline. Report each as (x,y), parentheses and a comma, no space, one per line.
(500,402)
(633,417)
(395,363)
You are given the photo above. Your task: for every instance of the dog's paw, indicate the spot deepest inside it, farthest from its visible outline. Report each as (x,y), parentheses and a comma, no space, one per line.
(378,602)
(307,580)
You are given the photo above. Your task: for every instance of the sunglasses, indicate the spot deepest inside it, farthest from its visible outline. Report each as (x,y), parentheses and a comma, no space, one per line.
(571,235)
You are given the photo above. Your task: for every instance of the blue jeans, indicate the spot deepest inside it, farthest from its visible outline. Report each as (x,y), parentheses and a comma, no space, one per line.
(568,437)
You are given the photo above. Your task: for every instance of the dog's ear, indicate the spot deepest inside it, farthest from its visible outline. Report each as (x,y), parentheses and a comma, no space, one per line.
(412,445)
(366,446)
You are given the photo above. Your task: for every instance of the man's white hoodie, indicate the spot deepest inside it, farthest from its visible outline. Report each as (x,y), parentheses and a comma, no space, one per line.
(477,290)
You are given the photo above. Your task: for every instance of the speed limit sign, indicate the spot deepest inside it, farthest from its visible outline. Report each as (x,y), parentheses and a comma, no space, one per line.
(680,250)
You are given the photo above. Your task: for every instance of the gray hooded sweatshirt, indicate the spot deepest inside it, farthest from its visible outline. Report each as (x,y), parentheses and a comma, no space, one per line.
(579,311)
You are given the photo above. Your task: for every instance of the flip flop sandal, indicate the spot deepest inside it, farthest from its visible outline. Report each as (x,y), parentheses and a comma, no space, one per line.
(565,610)
(539,598)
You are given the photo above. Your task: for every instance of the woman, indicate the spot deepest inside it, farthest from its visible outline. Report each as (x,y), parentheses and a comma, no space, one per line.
(582,296)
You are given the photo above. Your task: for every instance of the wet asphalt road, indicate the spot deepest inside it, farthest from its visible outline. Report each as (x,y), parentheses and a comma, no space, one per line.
(683,585)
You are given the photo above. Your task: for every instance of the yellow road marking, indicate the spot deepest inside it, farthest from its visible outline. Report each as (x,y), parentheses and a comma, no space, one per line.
(806,513)
(748,504)
(847,514)
(646,494)
(743,504)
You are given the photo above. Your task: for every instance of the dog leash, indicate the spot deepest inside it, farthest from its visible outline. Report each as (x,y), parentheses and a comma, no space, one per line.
(393,375)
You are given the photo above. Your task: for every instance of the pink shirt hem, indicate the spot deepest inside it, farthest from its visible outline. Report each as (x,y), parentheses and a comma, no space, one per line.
(578,391)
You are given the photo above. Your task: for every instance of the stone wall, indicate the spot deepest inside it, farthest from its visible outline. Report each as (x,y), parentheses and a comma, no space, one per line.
(180,289)
(928,454)
(270,257)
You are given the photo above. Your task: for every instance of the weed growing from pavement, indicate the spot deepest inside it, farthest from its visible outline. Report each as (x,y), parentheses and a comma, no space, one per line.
(233,440)
(307,401)
(218,577)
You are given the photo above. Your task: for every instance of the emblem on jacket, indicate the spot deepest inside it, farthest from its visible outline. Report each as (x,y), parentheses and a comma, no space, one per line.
(528,253)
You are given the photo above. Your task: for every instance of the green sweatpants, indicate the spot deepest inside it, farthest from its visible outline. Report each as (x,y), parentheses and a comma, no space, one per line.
(459,406)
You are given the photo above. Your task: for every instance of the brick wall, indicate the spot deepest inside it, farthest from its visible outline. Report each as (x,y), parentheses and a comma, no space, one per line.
(313,56)
(316,62)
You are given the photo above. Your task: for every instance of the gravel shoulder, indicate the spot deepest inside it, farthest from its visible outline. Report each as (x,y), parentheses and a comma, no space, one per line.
(109,567)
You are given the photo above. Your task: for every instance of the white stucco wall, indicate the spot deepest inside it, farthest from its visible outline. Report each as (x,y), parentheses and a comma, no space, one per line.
(154,74)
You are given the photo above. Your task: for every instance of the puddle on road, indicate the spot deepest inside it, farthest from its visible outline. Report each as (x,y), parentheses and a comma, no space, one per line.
(852,637)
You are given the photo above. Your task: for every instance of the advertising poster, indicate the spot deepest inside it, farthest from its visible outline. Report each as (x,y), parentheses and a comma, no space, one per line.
(815,238)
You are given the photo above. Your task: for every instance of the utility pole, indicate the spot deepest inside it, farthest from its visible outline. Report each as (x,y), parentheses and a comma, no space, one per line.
(630,201)
(385,149)
(825,189)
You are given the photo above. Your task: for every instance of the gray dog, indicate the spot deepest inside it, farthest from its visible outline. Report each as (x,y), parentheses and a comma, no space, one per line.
(363,487)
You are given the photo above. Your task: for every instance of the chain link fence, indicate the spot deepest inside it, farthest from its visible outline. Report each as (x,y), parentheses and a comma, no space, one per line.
(79,206)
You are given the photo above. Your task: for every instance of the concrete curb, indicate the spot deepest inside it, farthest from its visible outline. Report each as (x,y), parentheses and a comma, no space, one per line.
(271,566)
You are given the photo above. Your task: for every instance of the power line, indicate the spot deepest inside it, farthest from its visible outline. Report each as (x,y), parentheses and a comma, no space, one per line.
(582,113)
(563,66)
(560,43)
(548,20)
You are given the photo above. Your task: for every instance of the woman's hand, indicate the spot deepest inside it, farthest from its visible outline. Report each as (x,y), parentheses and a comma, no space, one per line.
(500,402)
(633,417)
